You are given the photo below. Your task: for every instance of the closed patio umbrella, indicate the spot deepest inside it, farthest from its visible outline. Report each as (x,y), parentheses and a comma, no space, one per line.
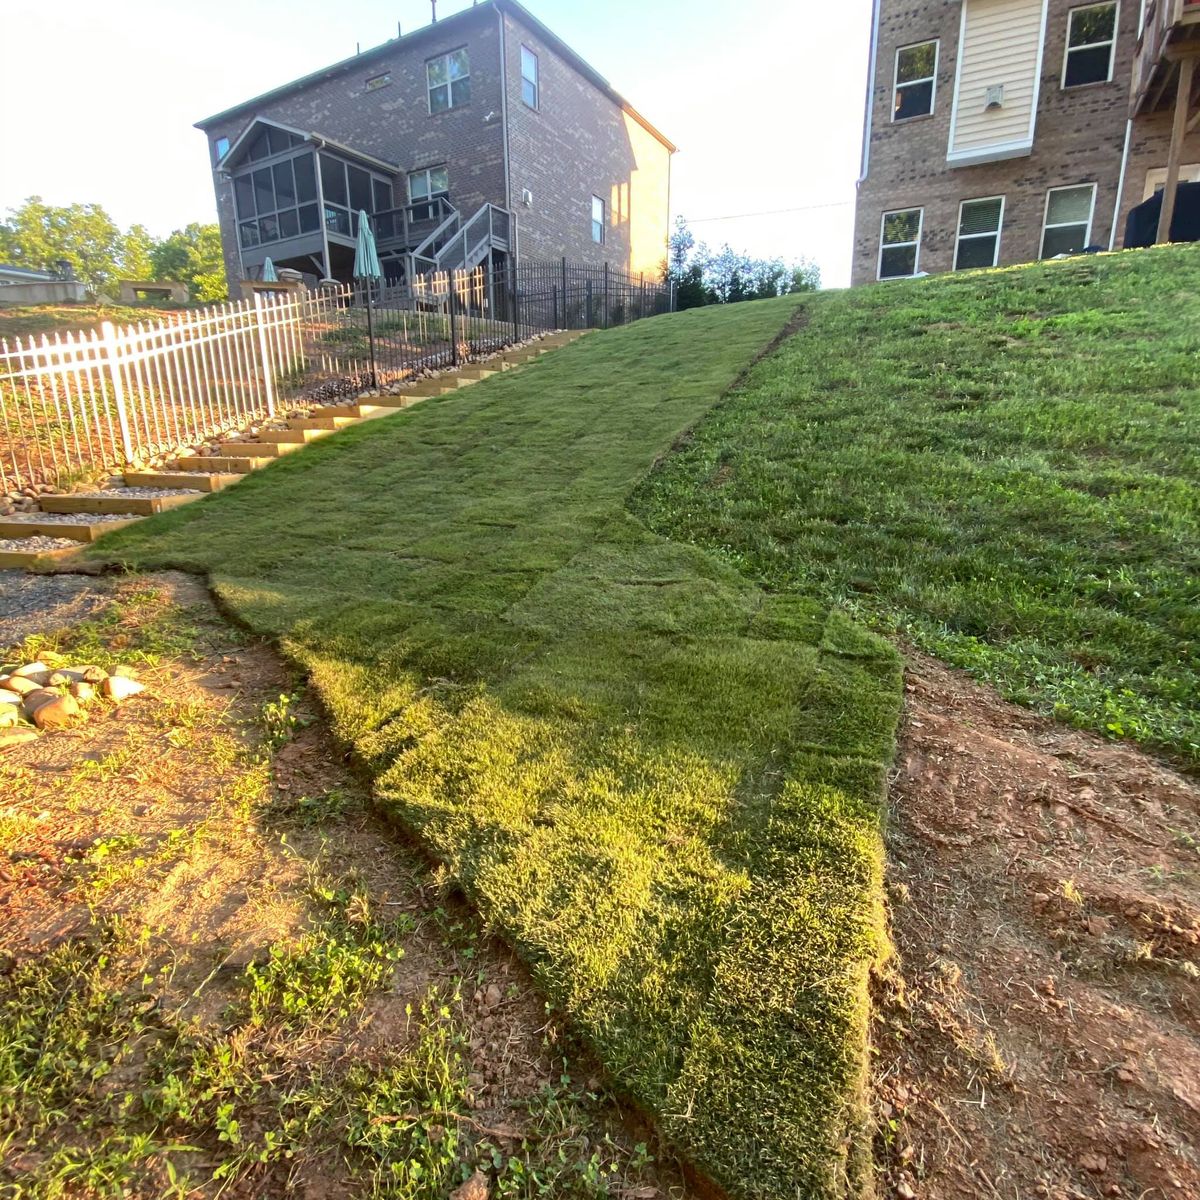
(367,268)
(269,275)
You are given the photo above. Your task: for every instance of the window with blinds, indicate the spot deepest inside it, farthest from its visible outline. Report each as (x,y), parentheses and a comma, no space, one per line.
(979,223)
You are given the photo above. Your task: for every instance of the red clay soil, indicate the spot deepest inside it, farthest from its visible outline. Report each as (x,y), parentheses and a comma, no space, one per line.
(1040,1035)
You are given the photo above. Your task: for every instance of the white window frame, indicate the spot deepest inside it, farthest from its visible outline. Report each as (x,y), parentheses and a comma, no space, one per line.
(449,84)
(959,237)
(430,194)
(1067,187)
(1156,178)
(1112,45)
(891,212)
(536,80)
(897,85)
(603,222)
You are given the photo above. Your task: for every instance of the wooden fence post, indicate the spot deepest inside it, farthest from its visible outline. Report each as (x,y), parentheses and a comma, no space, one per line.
(109,335)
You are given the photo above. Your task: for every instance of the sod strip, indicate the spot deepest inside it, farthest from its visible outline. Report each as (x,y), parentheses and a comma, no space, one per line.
(1003,467)
(661,784)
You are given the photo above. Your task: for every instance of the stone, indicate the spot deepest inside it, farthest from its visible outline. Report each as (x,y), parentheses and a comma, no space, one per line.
(10,714)
(16,737)
(476,1188)
(32,670)
(56,712)
(9,697)
(118,687)
(83,692)
(20,684)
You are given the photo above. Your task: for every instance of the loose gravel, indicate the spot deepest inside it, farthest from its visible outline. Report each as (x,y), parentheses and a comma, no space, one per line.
(37,544)
(132,493)
(45,518)
(32,604)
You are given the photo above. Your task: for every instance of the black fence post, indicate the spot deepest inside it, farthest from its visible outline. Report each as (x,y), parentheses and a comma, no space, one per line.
(554,301)
(565,321)
(516,315)
(453,306)
(606,295)
(587,324)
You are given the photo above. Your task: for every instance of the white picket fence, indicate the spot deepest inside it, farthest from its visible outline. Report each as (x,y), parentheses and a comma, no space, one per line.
(74,403)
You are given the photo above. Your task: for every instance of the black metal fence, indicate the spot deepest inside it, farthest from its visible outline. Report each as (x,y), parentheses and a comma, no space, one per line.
(391,333)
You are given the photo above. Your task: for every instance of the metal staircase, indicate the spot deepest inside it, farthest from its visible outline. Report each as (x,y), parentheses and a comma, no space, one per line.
(432,236)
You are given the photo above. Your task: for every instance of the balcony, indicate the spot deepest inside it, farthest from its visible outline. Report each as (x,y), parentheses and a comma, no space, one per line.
(399,230)
(1170,32)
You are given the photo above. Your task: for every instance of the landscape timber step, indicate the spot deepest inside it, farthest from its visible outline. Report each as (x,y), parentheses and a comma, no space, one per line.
(19,559)
(84,531)
(219,464)
(102,502)
(179,479)
(292,435)
(359,411)
(258,449)
(329,424)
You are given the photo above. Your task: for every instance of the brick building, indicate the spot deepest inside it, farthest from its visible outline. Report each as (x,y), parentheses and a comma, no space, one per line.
(481,136)
(1002,131)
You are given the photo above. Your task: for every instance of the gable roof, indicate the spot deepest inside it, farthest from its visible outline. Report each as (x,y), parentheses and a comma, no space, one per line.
(451,23)
(233,155)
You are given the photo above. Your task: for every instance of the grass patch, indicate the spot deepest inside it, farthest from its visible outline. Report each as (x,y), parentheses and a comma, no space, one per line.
(32,319)
(662,784)
(1001,467)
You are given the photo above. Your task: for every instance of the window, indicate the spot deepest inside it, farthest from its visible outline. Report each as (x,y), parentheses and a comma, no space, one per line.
(449,79)
(378,81)
(220,149)
(530,91)
(916,75)
(1091,36)
(598,207)
(277,201)
(425,185)
(900,243)
(979,224)
(1156,179)
(1068,225)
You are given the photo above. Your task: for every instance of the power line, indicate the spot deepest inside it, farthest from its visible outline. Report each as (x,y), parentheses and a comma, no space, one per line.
(772,212)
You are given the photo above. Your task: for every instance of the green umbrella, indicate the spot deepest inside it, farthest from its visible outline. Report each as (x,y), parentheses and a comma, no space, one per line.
(366,257)
(269,275)
(367,268)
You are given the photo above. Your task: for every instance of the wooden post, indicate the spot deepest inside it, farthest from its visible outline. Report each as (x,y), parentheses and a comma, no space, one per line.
(1183,99)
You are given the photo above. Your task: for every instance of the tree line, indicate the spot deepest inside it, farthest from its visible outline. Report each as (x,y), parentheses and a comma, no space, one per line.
(41,236)
(703,276)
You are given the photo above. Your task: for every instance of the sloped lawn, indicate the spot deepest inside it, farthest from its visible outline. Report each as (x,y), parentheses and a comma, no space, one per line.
(1000,466)
(662,784)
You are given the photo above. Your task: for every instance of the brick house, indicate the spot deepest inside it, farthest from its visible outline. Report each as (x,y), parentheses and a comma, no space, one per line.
(476,138)
(1003,131)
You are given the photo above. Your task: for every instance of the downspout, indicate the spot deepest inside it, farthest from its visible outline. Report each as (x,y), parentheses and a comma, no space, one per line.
(508,204)
(318,146)
(867,119)
(1112,233)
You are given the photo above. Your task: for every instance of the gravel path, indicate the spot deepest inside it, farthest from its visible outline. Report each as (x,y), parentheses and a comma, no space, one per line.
(45,518)
(38,541)
(37,603)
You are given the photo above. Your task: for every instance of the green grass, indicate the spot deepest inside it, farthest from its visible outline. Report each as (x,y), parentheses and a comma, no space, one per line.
(1001,467)
(661,783)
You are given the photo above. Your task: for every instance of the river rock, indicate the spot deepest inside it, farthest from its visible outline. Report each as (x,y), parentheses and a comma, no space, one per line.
(51,710)
(20,684)
(9,715)
(118,687)
(37,671)
(14,737)
(83,692)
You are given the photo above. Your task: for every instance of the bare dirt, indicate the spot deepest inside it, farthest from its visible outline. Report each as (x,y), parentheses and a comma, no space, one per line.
(164,768)
(1040,1034)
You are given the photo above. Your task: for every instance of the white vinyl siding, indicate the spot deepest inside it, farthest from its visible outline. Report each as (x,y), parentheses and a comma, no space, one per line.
(900,243)
(1067,228)
(1001,48)
(979,224)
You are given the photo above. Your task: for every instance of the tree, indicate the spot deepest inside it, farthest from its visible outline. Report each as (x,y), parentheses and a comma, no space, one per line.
(38,236)
(193,256)
(728,276)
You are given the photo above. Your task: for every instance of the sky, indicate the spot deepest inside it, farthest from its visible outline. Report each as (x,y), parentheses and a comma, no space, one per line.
(763,97)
